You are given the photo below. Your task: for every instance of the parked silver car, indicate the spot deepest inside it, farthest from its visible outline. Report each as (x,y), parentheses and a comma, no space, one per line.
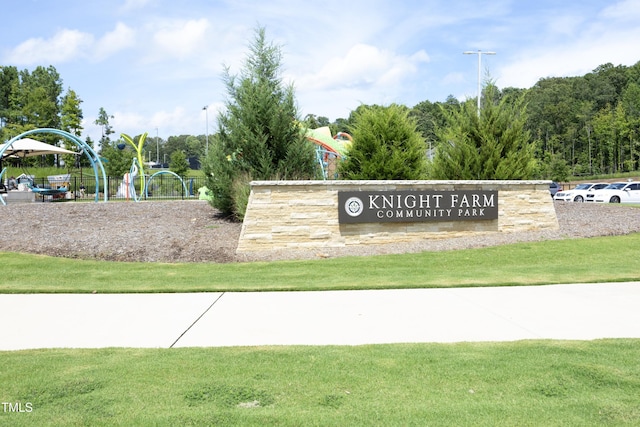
(554,187)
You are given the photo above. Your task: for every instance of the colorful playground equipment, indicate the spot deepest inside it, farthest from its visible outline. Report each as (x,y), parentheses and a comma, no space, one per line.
(330,149)
(127,188)
(15,147)
(148,184)
(139,157)
(59,186)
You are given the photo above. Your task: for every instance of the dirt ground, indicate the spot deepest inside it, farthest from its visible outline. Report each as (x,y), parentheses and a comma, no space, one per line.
(193,231)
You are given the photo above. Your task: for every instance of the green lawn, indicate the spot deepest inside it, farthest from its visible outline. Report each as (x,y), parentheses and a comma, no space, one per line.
(599,259)
(529,383)
(526,383)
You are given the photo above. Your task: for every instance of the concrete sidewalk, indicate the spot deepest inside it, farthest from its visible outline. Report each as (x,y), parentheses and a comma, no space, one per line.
(572,312)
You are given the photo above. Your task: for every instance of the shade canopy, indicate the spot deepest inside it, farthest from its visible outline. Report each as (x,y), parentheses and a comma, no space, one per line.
(26,147)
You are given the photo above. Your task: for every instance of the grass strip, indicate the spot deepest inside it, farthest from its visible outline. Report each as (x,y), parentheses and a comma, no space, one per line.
(601,259)
(481,384)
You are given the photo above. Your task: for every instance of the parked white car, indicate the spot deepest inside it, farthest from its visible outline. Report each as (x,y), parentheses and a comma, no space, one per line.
(580,192)
(619,192)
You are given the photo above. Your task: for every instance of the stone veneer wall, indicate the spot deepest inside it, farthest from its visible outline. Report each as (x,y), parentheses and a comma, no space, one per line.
(304,214)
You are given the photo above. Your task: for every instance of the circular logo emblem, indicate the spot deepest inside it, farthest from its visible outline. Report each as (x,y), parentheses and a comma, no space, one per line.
(353,206)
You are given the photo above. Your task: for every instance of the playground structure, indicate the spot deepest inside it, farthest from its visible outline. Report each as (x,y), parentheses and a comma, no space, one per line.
(330,149)
(127,188)
(139,156)
(27,147)
(148,184)
(59,185)
(86,149)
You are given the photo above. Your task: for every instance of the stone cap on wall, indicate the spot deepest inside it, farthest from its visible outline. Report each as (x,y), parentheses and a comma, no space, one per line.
(383,185)
(402,182)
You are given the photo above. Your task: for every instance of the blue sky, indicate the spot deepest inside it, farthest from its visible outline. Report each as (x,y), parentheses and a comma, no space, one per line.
(154,64)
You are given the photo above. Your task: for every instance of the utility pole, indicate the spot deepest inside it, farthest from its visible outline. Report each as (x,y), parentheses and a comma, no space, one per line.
(206,112)
(479,53)
(157,148)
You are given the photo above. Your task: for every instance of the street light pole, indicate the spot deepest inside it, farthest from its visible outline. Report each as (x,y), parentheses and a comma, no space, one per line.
(479,53)
(206,112)
(157,148)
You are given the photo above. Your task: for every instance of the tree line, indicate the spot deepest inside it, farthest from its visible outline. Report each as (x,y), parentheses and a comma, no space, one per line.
(585,125)
(34,99)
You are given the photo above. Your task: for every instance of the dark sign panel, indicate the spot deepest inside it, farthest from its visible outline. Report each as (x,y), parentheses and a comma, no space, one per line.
(416,205)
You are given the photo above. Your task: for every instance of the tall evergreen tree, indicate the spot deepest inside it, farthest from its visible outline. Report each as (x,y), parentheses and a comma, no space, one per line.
(71,114)
(39,101)
(29,100)
(491,145)
(40,97)
(71,121)
(103,121)
(9,83)
(259,133)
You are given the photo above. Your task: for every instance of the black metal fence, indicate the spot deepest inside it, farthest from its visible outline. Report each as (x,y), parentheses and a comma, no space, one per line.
(160,187)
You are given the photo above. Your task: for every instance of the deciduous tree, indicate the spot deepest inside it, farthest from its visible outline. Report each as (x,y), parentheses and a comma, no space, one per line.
(179,164)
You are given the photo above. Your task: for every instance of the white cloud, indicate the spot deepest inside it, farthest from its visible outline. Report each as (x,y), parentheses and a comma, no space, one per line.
(590,45)
(180,39)
(129,123)
(130,5)
(401,67)
(213,109)
(625,10)
(564,24)
(573,59)
(362,65)
(69,45)
(172,118)
(120,38)
(65,45)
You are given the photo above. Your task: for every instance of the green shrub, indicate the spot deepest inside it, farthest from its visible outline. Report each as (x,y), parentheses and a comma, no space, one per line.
(386,145)
(488,144)
(240,191)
